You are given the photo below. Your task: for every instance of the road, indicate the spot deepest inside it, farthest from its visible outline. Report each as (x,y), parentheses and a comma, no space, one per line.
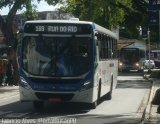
(127,106)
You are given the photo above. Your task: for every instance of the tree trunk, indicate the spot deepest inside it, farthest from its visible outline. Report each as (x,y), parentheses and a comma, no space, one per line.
(6,28)
(12,55)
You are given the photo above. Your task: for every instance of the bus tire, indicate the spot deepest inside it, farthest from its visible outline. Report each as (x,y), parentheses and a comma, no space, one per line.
(109,94)
(94,104)
(99,93)
(158,109)
(38,105)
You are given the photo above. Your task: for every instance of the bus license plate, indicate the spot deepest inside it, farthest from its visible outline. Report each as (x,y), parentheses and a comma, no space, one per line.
(54,100)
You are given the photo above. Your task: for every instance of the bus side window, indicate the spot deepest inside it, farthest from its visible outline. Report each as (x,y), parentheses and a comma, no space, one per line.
(100,46)
(114,49)
(105,46)
(109,48)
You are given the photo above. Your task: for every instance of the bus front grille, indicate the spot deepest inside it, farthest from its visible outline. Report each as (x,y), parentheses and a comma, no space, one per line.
(62,96)
(55,81)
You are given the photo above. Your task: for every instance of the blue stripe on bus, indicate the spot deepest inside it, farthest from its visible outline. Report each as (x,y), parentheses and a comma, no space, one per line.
(42,86)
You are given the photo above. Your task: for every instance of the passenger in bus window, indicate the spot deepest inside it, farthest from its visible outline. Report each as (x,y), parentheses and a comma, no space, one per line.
(63,59)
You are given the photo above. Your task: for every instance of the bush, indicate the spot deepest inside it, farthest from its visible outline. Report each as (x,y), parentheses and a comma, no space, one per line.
(155,74)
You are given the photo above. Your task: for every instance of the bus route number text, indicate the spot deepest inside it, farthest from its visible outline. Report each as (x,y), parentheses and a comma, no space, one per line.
(56,29)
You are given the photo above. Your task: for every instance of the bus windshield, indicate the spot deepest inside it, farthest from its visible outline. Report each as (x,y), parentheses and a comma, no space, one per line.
(56,56)
(130,55)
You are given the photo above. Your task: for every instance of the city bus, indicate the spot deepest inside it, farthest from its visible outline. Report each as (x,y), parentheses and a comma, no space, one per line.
(66,61)
(130,58)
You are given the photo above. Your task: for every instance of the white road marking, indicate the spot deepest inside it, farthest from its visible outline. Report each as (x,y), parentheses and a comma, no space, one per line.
(4,113)
(16,115)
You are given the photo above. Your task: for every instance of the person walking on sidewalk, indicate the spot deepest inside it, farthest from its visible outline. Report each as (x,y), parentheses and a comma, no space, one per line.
(9,73)
(1,74)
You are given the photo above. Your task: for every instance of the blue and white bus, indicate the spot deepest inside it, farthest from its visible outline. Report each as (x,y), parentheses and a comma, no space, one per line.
(130,58)
(67,61)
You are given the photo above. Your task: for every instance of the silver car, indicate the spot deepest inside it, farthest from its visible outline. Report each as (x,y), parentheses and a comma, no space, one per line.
(149,64)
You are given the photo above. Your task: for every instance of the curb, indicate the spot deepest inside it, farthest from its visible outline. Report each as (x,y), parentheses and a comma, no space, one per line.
(147,112)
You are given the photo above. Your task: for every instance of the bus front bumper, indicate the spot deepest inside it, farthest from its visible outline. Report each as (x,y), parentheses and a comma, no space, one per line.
(84,96)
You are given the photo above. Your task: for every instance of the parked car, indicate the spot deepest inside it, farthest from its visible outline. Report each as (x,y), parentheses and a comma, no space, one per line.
(149,64)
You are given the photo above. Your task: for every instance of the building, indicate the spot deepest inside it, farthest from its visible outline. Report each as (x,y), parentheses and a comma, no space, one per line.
(19,20)
(45,15)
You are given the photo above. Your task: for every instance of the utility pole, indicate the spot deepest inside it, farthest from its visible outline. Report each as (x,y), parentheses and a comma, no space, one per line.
(149,49)
(159,29)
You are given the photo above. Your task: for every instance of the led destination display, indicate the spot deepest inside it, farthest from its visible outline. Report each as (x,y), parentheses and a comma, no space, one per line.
(57,28)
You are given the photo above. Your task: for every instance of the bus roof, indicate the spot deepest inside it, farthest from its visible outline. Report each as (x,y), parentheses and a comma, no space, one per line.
(105,31)
(59,21)
(94,25)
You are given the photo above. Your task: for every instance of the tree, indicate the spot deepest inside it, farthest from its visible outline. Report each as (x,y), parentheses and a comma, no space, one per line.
(135,17)
(31,12)
(108,13)
(6,27)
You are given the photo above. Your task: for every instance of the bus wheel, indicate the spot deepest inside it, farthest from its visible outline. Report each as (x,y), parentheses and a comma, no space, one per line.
(99,93)
(109,94)
(38,105)
(94,104)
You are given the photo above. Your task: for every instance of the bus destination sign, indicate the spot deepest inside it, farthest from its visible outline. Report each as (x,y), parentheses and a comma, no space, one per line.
(50,28)
(54,29)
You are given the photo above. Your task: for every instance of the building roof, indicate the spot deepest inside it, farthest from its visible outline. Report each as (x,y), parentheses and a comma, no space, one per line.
(123,42)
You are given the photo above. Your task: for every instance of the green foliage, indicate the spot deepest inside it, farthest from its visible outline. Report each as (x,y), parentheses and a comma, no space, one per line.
(155,74)
(31,12)
(7,23)
(23,3)
(4,3)
(138,16)
(11,3)
(108,13)
(6,26)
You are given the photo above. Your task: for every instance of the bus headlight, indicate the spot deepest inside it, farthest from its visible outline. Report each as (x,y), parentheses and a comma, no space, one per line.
(86,85)
(120,63)
(23,83)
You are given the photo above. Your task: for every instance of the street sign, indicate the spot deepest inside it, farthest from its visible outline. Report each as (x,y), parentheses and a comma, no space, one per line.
(154,5)
(153,2)
(153,17)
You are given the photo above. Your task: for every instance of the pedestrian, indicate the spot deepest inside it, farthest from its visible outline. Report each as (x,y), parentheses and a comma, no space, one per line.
(1,73)
(9,73)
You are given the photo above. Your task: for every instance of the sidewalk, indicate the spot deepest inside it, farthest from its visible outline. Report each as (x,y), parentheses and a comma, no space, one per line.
(151,116)
(7,92)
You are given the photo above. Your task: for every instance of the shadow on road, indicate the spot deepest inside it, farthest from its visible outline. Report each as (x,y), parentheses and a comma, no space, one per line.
(134,84)
(26,109)
(133,80)
(130,73)
(19,110)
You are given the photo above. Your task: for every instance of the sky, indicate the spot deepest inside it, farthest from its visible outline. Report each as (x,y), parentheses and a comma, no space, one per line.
(42,6)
